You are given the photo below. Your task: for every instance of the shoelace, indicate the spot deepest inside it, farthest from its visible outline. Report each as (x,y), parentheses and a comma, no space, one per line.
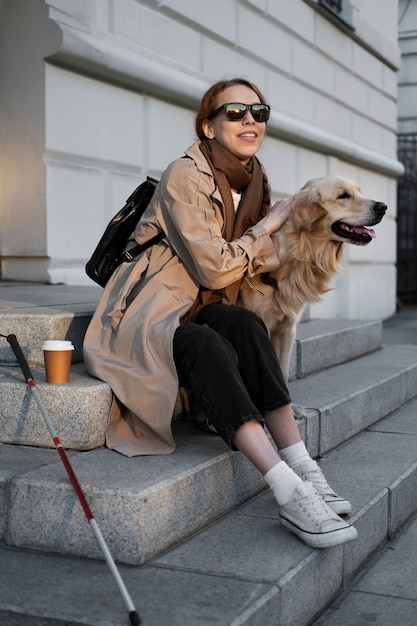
(320,483)
(313,505)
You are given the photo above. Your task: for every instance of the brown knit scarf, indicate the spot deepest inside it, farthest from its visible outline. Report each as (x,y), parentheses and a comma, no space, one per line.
(251,181)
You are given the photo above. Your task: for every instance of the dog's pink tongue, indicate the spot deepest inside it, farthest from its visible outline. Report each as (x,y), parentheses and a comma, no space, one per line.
(361,230)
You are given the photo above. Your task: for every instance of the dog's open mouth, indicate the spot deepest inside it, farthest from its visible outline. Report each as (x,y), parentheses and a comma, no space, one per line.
(357,234)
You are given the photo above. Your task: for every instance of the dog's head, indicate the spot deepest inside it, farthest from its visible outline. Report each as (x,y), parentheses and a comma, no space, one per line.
(335,205)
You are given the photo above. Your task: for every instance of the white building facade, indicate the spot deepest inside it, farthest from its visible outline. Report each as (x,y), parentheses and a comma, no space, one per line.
(97,94)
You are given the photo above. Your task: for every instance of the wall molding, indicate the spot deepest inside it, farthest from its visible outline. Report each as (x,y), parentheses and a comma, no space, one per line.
(139,70)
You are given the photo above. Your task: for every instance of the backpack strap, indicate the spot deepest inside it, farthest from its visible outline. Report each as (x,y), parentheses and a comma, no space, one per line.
(129,255)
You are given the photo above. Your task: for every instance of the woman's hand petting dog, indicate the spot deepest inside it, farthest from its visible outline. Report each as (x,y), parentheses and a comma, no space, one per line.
(278,214)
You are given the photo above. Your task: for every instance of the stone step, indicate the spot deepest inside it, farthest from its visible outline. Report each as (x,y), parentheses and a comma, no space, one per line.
(243,569)
(146,504)
(35,313)
(347,398)
(152,502)
(32,329)
(79,409)
(319,343)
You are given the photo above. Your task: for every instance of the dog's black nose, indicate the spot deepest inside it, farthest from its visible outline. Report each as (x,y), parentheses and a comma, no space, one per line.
(380,208)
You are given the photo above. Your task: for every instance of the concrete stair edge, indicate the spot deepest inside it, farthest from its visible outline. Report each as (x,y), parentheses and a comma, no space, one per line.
(286,583)
(294,597)
(373,386)
(219,476)
(319,346)
(31,329)
(79,410)
(35,325)
(139,521)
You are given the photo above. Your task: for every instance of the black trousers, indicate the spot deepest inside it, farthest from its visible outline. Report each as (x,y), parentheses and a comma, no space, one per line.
(226,359)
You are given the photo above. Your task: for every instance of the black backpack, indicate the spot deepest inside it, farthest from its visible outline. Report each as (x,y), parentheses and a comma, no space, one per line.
(110,251)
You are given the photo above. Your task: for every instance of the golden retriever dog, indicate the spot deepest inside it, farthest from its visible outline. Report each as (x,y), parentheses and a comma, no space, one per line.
(328,213)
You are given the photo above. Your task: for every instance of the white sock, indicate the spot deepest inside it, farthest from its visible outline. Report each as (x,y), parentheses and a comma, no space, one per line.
(295,454)
(283,481)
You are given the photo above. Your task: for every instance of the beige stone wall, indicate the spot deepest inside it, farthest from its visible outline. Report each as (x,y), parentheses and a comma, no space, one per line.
(109,91)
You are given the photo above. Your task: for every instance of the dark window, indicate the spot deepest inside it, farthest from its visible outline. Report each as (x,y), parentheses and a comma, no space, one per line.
(333,5)
(407,219)
(338,11)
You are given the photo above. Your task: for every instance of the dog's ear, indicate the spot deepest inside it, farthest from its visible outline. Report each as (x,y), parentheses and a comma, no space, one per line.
(308,209)
(311,189)
(309,193)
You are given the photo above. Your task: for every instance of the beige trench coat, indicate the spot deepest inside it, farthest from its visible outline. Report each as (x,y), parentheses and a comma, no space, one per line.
(129,341)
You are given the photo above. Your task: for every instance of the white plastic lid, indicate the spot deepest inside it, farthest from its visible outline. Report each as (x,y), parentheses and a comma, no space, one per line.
(57,345)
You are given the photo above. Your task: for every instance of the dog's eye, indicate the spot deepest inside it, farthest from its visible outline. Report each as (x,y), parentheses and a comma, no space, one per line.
(344,195)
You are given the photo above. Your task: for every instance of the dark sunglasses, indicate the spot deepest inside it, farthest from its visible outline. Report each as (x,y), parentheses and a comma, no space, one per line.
(236,111)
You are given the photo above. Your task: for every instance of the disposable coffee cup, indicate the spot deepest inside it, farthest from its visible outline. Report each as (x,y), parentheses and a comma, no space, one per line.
(57,356)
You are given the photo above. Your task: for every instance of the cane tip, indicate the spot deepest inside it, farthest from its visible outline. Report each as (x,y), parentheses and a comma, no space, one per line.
(134,618)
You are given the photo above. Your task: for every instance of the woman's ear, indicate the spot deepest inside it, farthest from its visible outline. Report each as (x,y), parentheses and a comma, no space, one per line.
(207,129)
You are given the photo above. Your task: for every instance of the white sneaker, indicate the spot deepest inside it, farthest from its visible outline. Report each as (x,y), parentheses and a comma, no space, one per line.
(310,471)
(310,518)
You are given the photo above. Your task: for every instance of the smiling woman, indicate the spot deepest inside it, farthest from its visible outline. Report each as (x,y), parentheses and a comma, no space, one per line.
(238,121)
(170,318)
